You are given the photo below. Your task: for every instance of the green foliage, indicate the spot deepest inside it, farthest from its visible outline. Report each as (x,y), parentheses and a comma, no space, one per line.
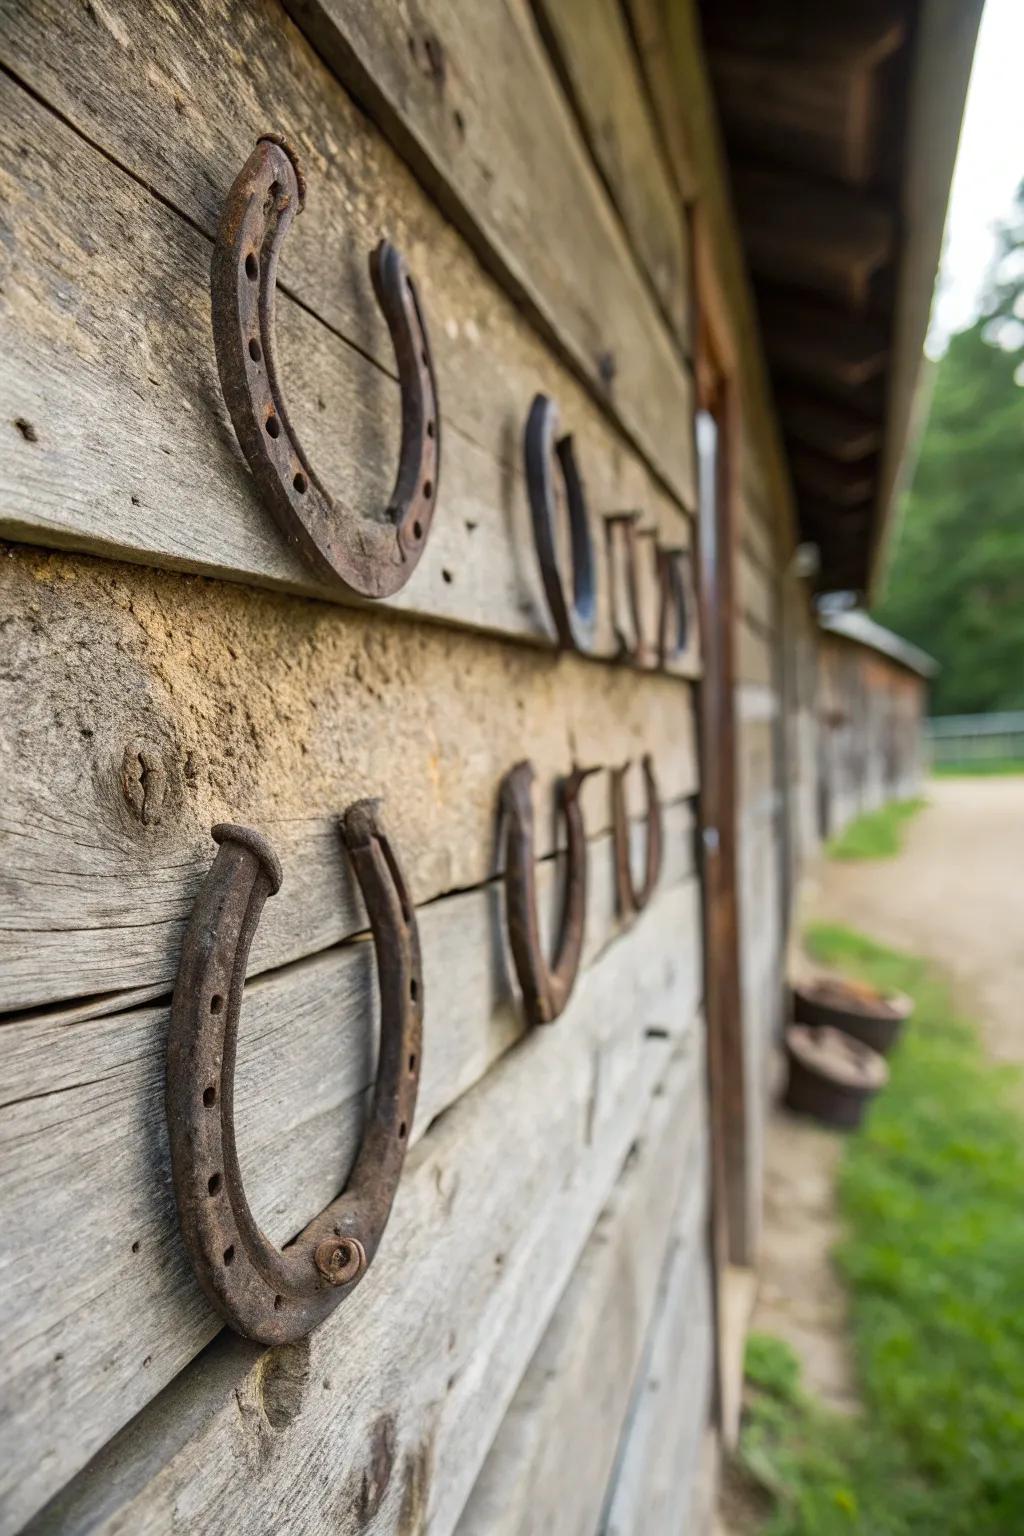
(984,767)
(877,835)
(930,1191)
(956,582)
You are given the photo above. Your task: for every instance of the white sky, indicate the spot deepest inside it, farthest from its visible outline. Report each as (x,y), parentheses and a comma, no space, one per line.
(989,165)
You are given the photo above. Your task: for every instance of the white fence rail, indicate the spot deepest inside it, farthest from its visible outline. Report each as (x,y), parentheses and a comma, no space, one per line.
(956,740)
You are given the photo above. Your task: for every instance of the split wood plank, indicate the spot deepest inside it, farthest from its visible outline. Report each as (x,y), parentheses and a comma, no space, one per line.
(118,439)
(84,1150)
(657,1475)
(472,103)
(549,1467)
(144,709)
(496,1202)
(596,57)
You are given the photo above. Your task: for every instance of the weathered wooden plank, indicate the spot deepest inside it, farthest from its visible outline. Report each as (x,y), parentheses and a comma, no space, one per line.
(177,95)
(549,1467)
(754,662)
(757,597)
(596,58)
(82,1132)
(119,440)
(669,38)
(656,1475)
(496,1201)
(472,103)
(249,706)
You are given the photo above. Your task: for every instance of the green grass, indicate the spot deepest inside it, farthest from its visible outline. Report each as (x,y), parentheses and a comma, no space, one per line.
(877,835)
(992,765)
(931,1192)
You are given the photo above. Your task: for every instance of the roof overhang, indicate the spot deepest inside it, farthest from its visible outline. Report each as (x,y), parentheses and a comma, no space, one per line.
(859,628)
(841,124)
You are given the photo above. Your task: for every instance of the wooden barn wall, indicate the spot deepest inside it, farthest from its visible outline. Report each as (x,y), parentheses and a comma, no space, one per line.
(762,732)
(170,662)
(870,714)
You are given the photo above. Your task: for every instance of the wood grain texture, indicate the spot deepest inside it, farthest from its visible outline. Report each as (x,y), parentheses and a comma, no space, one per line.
(670,46)
(596,59)
(549,1467)
(143,708)
(84,1150)
(496,1202)
(125,446)
(470,100)
(657,1472)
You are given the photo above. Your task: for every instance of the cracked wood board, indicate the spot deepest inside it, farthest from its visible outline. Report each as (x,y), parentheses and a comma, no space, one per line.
(495,1203)
(657,1479)
(84,1149)
(143,707)
(125,444)
(549,1467)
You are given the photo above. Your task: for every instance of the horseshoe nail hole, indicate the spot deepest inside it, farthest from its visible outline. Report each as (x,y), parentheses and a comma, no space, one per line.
(252,267)
(414,988)
(447,575)
(255,350)
(213,1183)
(229,1254)
(402,1131)
(417,531)
(412,1062)
(460,122)
(300,483)
(431,429)
(428,487)
(136,1246)
(209,1096)
(216,1003)
(273,427)
(278,1303)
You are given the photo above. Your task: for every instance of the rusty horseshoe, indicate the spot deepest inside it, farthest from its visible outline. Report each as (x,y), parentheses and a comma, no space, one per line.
(574,620)
(545,988)
(631,899)
(367,556)
(673,622)
(265,1293)
(622,537)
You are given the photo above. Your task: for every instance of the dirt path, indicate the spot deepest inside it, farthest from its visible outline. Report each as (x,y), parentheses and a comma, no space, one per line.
(955,895)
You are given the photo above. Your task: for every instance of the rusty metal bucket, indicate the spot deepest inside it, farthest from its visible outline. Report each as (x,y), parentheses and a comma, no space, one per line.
(831,1076)
(875,1018)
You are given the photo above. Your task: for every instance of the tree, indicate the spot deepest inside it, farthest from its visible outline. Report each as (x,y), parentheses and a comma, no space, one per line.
(956,582)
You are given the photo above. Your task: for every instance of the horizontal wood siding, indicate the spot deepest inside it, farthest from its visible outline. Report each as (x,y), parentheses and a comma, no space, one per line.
(533,1348)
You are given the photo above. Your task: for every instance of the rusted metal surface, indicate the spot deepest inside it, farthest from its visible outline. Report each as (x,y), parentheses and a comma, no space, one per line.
(264,1293)
(631,898)
(673,615)
(546,988)
(874,1018)
(367,556)
(831,1076)
(574,618)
